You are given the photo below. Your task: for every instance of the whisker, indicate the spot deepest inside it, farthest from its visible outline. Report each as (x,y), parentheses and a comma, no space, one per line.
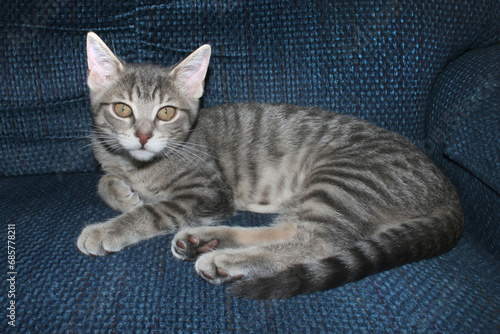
(193,148)
(186,158)
(192,151)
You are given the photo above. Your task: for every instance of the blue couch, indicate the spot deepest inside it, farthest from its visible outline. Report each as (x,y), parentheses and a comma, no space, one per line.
(429,70)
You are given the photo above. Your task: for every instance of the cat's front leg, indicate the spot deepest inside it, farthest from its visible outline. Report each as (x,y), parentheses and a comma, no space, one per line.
(149,220)
(129,228)
(117,194)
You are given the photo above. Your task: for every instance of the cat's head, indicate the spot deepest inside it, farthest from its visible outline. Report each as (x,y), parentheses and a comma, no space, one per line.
(140,109)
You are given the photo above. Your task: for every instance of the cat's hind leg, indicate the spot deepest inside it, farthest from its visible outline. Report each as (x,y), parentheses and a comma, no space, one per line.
(262,260)
(251,253)
(188,244)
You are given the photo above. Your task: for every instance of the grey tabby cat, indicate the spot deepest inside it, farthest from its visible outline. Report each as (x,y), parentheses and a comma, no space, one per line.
(353,199)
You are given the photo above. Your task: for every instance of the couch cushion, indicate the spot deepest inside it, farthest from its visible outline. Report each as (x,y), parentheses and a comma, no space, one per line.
(145,289)
(374,60)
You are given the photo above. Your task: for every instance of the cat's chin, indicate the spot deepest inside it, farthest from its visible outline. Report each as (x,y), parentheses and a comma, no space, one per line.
(142,155)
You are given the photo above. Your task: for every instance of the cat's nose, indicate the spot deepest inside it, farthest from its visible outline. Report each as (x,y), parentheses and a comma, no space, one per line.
(143,137)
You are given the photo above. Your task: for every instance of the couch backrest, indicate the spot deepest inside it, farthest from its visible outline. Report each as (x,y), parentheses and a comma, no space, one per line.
(374,59)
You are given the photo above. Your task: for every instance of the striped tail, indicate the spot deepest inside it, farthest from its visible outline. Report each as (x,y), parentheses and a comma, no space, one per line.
(416,239)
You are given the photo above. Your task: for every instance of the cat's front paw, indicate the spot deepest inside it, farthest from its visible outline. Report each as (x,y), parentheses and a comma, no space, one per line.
(118,194)
(188,244)
(101,239)
(220,267)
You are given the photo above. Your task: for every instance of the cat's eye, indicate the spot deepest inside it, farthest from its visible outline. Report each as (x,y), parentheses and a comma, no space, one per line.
(166,113)
(123,110)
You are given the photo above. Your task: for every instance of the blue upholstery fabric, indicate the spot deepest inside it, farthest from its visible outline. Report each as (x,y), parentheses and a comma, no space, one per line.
(464,137)
(145,289)
(374,59)
(467,117)
(404,64)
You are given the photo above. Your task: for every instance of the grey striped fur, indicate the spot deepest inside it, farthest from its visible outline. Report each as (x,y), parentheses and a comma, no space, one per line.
(353,199)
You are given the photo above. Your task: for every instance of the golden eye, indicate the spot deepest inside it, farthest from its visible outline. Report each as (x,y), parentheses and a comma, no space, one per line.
(166,113)
(123,110)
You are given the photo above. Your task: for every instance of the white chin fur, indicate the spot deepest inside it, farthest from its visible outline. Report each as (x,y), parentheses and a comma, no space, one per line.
(142,155)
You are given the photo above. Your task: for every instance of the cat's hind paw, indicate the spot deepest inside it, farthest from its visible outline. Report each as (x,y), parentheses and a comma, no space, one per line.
(219,267)
(188,246)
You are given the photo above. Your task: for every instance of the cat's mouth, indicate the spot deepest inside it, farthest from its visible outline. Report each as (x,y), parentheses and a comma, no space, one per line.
(137,150)
(142,154)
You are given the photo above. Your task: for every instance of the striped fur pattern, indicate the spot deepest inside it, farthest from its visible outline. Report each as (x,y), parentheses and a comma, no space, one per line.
(353,199)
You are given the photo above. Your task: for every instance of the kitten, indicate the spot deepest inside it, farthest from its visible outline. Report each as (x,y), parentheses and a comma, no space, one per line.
(353,199)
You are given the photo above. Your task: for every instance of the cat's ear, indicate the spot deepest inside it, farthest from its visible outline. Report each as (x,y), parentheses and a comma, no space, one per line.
(190,73)
(104,66)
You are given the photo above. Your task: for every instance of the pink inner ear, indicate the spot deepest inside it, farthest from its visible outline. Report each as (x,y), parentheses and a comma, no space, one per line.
(192,75)
(193,82)
(96,80)
(102,65)
(97,72)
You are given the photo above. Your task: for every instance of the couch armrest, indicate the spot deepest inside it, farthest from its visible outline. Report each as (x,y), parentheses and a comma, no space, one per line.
(464,137)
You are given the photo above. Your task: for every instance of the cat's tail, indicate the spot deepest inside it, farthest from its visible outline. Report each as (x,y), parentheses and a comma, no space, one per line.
(416,239)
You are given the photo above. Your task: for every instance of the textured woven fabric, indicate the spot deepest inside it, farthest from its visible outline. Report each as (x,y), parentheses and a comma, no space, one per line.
(44,109)
(465,126)
(481,205)
(467,117)
(373,59)
(143,289)
(379,60)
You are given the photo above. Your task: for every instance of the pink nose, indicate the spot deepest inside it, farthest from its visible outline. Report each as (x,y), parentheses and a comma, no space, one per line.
(143,137)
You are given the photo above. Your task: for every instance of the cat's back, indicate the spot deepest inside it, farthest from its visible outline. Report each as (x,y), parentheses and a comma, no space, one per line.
(287,127)
(269,151)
